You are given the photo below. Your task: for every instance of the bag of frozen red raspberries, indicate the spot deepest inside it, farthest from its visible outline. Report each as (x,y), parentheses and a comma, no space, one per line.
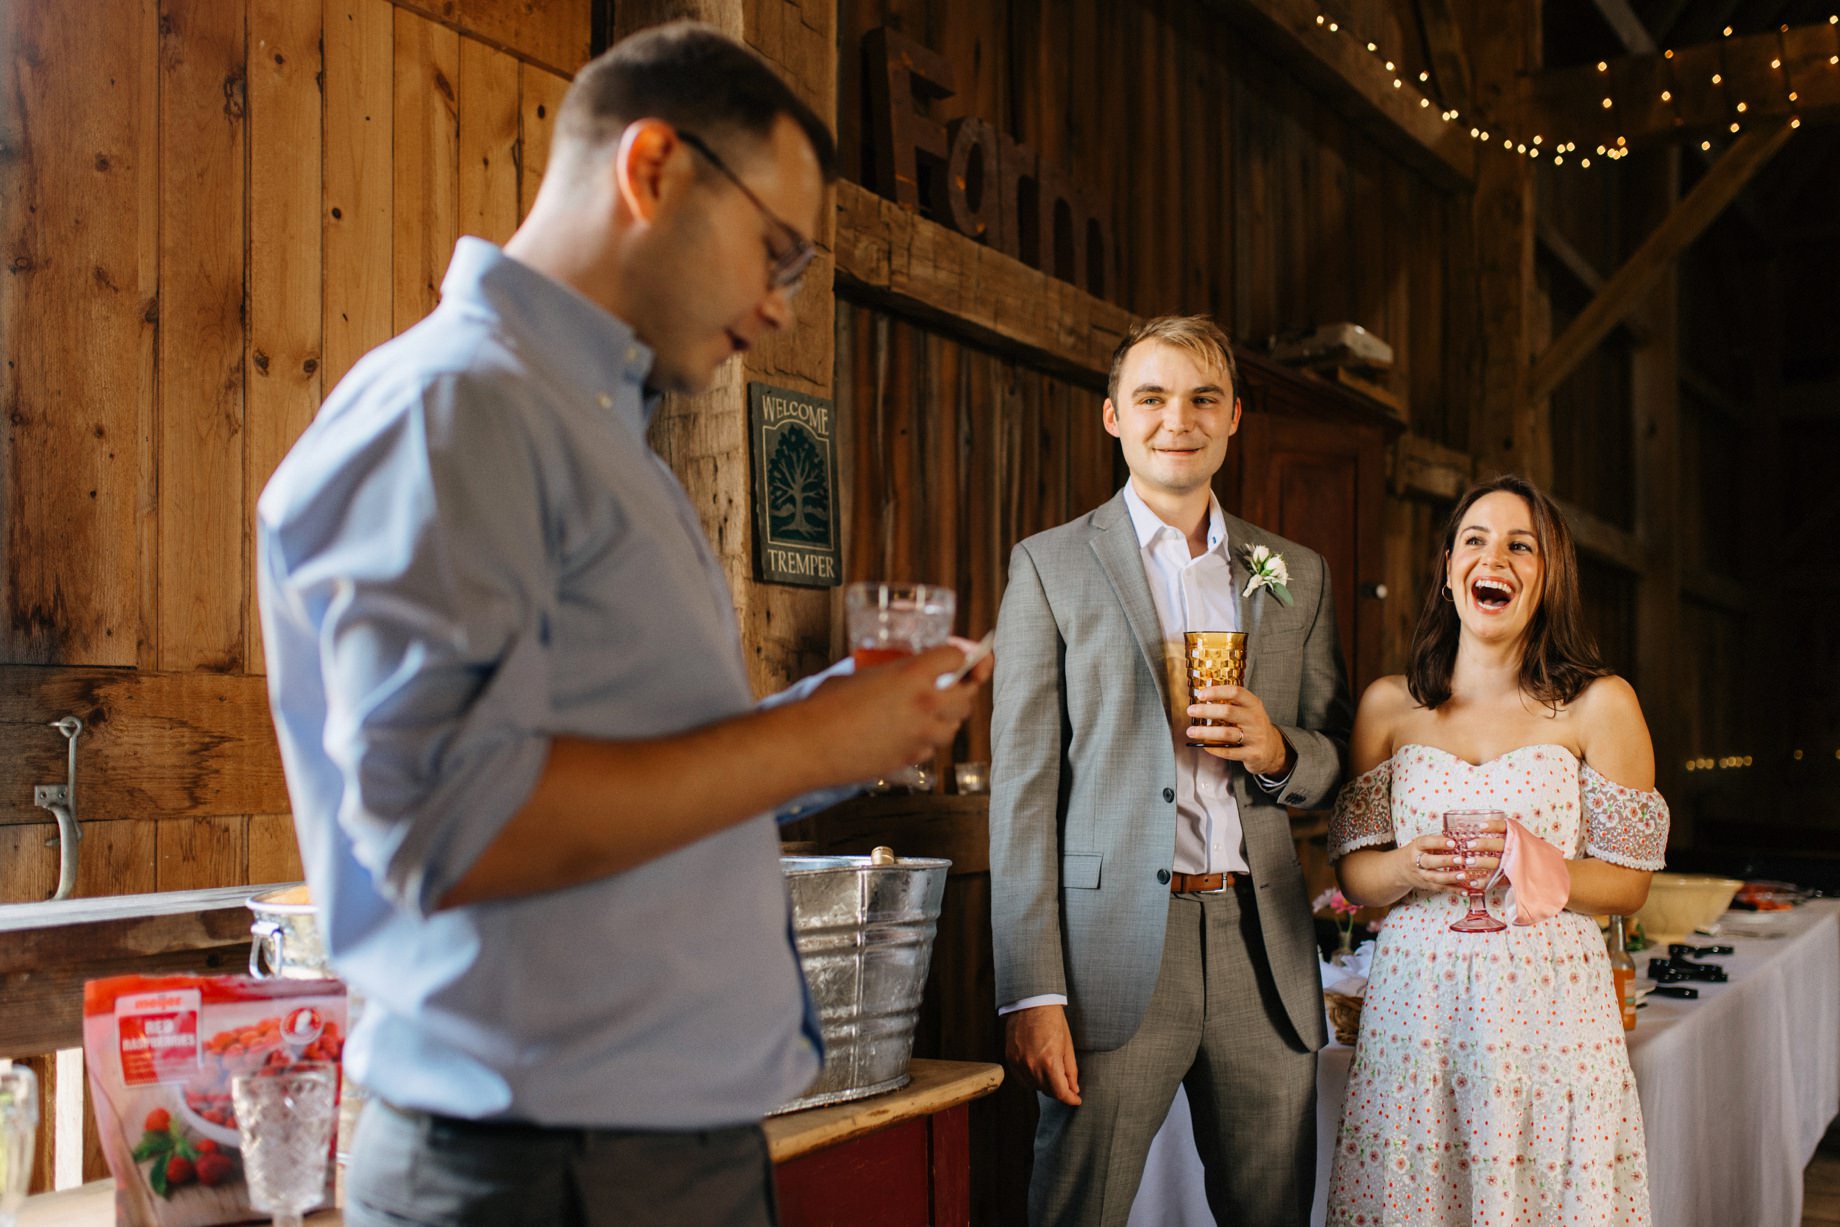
(161,1053)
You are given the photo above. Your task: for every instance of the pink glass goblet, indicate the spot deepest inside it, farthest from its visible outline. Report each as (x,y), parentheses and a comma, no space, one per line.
(1465,827)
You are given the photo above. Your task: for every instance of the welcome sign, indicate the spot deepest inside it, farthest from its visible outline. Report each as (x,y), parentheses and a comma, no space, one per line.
(794,443)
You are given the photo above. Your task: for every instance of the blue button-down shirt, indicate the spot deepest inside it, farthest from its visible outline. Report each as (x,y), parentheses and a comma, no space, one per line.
(471,550)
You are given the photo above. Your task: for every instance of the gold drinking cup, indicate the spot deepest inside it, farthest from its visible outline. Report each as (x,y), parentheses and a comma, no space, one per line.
(1215,658)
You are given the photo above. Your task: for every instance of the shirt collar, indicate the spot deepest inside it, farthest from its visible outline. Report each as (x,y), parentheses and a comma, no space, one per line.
(1149,525)
(576,339)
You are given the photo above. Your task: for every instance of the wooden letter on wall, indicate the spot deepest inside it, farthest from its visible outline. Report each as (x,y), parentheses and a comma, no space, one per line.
(983,183)
(900,73)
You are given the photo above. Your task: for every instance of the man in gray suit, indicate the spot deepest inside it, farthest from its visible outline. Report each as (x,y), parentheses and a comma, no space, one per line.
(1149,912)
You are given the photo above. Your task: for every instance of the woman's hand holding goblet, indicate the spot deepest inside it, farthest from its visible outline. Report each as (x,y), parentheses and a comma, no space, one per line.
(1477,838)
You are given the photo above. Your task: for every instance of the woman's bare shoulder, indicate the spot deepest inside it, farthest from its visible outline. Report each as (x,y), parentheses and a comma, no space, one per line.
(1384,704)
(1612,733)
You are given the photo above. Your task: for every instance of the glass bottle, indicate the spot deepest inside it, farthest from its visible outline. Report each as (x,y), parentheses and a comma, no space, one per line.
(1623,973)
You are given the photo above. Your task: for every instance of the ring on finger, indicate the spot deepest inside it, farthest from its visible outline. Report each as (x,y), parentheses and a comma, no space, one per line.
(1418,860)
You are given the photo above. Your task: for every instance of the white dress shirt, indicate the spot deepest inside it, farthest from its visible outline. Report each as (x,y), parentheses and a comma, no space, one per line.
(1192,594)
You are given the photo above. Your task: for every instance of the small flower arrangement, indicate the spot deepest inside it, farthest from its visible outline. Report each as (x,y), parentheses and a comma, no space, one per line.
(1341,911)
(1268,571)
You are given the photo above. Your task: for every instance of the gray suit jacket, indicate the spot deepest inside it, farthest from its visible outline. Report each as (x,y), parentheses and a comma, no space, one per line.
(1083,772)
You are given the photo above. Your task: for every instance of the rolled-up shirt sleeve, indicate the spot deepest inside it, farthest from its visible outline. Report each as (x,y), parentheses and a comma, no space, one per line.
(423,568)
(806,805)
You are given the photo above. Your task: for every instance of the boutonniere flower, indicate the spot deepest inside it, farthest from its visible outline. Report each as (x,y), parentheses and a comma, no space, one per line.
(1268,571)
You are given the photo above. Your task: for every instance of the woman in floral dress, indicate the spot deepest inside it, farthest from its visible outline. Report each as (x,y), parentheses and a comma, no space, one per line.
(1490,1083)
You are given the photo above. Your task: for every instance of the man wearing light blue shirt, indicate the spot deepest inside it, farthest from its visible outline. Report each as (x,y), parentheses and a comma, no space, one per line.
(533,794)
(1147,905)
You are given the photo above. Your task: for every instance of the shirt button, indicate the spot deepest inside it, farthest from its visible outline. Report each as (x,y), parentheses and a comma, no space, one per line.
(632,355)
(1162,875)
(605,400)
(1169,794)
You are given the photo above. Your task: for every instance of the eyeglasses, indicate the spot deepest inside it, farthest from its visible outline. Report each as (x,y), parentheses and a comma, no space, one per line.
(790,262)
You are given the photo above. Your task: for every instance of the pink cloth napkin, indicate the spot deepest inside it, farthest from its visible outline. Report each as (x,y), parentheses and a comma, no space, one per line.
(1538,881)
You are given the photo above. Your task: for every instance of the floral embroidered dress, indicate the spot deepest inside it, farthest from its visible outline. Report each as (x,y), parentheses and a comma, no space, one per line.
(1491,1083)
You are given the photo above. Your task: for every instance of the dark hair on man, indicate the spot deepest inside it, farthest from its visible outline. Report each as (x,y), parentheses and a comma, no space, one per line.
(1558,656)
(692,77)
(1198,334)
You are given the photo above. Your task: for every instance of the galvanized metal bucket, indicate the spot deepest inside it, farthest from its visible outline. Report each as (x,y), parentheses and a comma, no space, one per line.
(285,936)
(864,927)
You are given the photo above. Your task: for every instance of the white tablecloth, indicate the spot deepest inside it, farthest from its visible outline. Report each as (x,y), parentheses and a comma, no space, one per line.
(1737,1088)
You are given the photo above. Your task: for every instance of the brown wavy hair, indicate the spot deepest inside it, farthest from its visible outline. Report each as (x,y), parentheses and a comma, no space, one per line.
(1558,656)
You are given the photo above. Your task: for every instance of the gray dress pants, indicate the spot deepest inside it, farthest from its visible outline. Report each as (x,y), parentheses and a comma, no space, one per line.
(1216,1026)
(410,1168)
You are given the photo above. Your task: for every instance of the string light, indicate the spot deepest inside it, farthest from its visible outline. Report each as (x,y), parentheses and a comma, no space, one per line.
(1607,102)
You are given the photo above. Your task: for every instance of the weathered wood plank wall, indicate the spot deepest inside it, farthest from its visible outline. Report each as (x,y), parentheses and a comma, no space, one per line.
(1234,189)
(211,209)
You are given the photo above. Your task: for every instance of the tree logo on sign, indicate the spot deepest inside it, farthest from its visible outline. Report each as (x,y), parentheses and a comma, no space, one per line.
(798,498)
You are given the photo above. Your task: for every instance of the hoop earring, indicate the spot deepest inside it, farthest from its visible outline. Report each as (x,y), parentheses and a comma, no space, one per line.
(1448,596)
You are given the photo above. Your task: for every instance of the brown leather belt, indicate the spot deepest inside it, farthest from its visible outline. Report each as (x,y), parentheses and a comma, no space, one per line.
(1205,883)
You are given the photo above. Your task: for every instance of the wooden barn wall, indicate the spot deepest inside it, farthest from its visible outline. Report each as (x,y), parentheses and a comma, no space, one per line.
(1233,189)
(952,455)
(210,209)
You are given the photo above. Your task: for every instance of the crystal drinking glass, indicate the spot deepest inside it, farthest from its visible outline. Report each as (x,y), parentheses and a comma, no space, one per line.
(18,1132)
(285,1120)
(888,621)
(885,622)
(1465,827)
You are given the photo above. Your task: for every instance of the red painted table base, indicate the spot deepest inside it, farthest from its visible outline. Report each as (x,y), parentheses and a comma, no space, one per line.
(914,1174)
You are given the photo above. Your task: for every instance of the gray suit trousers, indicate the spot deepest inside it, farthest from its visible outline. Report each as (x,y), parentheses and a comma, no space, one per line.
(1217,1027)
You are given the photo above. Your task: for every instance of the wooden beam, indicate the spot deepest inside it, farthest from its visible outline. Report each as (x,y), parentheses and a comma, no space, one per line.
(1568,103)
(48,950)
(1426,469)
(1624,290)
(1444,45)
(894,257)
(1603,540)
(1561,249)
(1547,233)
(1709,393)
(1627,27)
(1506,434)
(1358,85)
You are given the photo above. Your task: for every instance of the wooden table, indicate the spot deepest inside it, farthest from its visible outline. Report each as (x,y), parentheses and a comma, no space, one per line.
(897,1159)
